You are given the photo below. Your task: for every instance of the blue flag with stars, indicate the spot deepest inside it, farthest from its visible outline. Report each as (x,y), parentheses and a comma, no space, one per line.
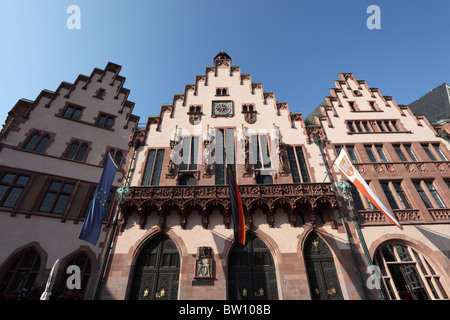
(90,231)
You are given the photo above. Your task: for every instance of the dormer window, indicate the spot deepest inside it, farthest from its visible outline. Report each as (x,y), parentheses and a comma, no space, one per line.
(100,93)
(195,109)
(248,108)
(222,92)
(105,121)
(195,113)
(249,112)
(72,112)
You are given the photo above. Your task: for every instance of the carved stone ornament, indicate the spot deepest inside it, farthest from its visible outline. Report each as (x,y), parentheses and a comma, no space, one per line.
(204,263)
(421,167)
(390,168)
(161,201)
(378,168)
(250,117)
(360,168)
(314,133)
(193,118)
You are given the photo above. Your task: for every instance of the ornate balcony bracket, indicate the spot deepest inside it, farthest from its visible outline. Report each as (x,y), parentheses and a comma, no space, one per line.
(146,201)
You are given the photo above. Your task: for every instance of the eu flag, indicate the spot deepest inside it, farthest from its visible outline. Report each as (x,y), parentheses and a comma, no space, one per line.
(90,231)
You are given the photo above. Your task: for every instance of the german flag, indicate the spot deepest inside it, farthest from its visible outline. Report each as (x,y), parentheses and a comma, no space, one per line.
(236,207)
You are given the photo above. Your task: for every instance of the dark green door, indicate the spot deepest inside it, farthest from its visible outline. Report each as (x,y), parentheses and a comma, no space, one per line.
(157,271)
(251,272)
(322,276)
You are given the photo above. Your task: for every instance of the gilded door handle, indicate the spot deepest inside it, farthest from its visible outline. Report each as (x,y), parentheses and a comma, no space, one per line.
(317,291)
(244,292)
(145,293)
(160,294)
(332,291)
(259,293)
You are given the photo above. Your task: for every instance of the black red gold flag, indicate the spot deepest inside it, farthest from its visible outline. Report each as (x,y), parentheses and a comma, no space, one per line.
(236,207)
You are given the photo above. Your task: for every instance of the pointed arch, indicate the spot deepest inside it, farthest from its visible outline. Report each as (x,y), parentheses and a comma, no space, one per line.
(408,263)
(86,260)
(22,268)
(320,268)
(156,270)
(251,271)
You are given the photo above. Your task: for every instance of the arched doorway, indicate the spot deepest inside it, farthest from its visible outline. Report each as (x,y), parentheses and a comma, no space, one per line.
(322,276)
(407,274)
(157,271)
(251,271)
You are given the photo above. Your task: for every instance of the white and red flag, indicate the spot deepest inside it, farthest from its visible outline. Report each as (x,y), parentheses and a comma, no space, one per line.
(345,165)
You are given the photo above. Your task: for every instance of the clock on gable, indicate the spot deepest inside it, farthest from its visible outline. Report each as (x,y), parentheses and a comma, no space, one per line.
(222,109)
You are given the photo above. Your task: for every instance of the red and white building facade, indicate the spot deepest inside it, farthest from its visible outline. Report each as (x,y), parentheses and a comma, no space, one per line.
(175,234)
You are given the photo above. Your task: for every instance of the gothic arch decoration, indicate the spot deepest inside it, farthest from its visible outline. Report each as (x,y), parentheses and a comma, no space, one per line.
(320,268)
(251,271)
(301,213)
(20,271)
(323,212)
(156,271)
(281,203)
(82,259)
(145,200)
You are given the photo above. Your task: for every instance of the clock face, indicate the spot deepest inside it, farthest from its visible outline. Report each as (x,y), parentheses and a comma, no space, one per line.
(222,109)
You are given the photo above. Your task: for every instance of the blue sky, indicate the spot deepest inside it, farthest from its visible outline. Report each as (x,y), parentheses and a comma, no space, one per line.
(295,48)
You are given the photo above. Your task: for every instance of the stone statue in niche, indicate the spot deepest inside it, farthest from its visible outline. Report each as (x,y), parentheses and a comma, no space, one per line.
(204,263)
(203,268)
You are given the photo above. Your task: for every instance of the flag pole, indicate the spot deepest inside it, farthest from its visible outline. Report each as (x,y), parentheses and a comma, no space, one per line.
(121,195)
(319,143)
(344,187)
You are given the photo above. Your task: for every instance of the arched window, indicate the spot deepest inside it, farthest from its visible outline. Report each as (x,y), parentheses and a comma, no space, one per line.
(63,293)
(407,274)
(21,273)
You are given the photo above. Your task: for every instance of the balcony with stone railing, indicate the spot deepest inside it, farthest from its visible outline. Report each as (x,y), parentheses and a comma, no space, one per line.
(404,216)
(440,214)
(403,167)
(375,217)
(307,197)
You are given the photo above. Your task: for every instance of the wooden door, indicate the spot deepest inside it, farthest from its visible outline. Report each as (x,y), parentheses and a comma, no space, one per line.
(157,271)
(322,276)
(251,272)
